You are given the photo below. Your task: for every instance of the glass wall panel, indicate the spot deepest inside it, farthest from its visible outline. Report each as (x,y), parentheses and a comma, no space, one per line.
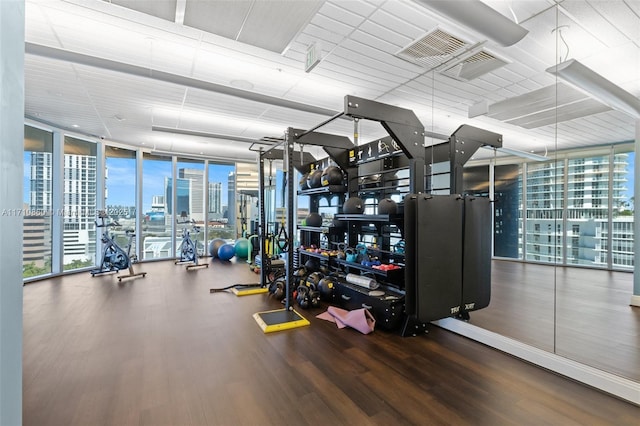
(544,212)
(587,210)
(507,207)
(38,159)
(156,195)
(221,194)
(476,181)
(80,184)
(623,209)
(190,200)
(120,193)
(246,199)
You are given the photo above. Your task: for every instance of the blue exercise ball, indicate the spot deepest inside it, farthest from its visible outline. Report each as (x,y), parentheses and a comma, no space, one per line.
(226,252)
(242,248)
(215,245)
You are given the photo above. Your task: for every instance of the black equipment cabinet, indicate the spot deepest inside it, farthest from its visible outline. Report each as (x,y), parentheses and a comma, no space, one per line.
(387,308)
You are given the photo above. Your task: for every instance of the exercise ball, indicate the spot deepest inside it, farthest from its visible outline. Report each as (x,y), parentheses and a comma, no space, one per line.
(226,251)
(332,175)
(242,248)
(214,245)
(314,219)
(315,179)
(353,205)
(303,181)
(387,206)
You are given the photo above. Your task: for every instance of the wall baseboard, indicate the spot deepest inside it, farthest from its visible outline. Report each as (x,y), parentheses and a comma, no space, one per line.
(610,383)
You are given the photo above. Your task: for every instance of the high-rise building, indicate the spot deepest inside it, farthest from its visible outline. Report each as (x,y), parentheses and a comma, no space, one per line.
(78,203)
(588,196)
(215,200)
(196,192)
(232,206)
(80,185)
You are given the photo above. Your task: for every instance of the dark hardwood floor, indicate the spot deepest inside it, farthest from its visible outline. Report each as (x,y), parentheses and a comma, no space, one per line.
(162,350)
(589,320)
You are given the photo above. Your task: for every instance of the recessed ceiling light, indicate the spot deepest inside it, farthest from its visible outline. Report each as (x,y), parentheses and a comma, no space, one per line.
(75,125)
(119,117)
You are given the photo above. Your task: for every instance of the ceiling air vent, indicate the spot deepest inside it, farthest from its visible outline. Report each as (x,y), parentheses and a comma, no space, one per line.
(434,49)
(451,56)
(473,66)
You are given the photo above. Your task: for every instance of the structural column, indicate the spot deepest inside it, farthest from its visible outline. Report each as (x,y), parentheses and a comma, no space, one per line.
(635,298)
(11,153)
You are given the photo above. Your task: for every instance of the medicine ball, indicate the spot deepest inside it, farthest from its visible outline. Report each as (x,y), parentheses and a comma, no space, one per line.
(337,223)
(353,205)
(314,219)
(312,265)
(303,181)
(325,288)
(314,180)
(332,175)
(387,206)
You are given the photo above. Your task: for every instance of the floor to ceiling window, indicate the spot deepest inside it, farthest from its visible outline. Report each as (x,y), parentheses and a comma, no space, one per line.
(623,208)
(221,193)
(507,207)
(120,193)
(190,201)
(37,201)
(79,244)
(587,210)
(544,212)
(156,221)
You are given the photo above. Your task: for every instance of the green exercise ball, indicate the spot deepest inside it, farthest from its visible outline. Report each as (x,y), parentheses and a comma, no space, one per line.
(242,248)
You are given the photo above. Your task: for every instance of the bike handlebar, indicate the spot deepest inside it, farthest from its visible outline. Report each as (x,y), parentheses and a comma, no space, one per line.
(114,223)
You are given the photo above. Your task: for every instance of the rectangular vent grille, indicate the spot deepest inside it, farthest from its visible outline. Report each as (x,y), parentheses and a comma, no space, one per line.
(474,66)
(451,56)
(433,49)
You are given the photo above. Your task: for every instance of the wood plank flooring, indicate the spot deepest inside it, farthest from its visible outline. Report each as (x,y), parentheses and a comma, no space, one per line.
(589,320)
(162,350)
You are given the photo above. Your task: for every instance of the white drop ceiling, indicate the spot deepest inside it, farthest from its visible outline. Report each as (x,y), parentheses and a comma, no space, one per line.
(117,69)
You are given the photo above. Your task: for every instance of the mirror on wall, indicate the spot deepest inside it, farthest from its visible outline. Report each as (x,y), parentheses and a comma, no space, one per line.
(563,230)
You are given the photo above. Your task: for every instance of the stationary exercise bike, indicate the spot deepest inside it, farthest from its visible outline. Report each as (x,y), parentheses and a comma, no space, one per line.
(188,248)
(114,257)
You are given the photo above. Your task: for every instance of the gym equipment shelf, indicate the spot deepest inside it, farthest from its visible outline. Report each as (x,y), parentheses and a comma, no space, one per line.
(319,229)
(392,275)
(330,189)
(317,255)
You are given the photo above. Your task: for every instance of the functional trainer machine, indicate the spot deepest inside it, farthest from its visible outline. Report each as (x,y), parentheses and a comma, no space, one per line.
(114,257)
(188,248)
(426,296)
